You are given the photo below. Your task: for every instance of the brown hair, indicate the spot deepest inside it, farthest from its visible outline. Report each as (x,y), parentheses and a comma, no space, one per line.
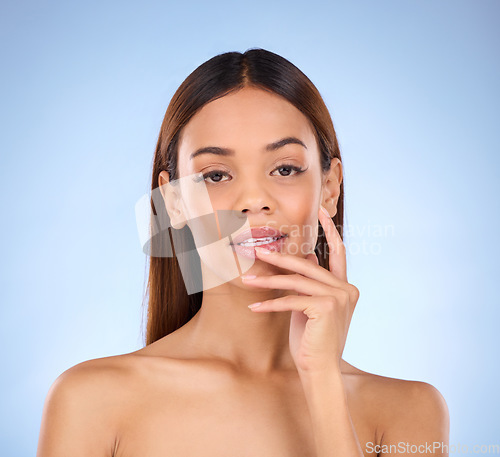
(169,305)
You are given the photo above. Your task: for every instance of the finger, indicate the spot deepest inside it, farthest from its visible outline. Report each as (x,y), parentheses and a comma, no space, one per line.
(312,257)
(295,282)
(312,307)
(336,247)
(299,265)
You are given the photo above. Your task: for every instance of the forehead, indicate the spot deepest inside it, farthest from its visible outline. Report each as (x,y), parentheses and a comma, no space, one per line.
(245,121)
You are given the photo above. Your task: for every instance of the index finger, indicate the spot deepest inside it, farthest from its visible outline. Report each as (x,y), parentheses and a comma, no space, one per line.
(337,252)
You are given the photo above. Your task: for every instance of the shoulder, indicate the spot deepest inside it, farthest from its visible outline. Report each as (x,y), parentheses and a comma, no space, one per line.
(404,410)
(395,394)
(94,379)
(401,398)
(82,406)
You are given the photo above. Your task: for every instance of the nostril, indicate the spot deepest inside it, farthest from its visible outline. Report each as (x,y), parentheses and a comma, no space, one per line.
(265,208)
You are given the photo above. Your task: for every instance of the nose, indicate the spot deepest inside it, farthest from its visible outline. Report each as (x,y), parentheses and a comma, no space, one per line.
(253,198)
(255,209)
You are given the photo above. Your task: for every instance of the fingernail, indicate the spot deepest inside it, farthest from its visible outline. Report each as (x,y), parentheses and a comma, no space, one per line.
(248,277)
(254,305)
(262,250)
(325,212)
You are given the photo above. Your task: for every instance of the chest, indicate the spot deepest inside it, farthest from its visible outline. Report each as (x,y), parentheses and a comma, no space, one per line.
(244,419)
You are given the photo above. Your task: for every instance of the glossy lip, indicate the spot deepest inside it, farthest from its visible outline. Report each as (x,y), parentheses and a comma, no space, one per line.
(256,232)
(249,251)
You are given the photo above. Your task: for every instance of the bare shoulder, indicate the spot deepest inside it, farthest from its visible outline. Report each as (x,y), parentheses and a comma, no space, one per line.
(95,379)
(404,410)
(82,406)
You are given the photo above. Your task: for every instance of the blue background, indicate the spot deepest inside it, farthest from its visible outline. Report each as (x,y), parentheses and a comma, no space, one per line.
(413,90)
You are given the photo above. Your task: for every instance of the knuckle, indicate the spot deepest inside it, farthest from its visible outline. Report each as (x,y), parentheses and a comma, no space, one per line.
(332,302)
(344,296)
(341,246)
(354,291)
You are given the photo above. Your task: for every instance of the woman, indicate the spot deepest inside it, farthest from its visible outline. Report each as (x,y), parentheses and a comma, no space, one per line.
(246,134)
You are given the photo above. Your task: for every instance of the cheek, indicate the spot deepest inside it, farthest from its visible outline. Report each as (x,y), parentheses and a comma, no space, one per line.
(303,229)
(195,197)
(303,203)
(305,216)
(304,226)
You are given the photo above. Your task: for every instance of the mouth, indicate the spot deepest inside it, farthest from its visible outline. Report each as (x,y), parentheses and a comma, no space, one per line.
(266,237)
(260,241)
(257,236)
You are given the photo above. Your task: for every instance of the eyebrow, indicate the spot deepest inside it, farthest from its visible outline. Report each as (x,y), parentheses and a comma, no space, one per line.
(230,152)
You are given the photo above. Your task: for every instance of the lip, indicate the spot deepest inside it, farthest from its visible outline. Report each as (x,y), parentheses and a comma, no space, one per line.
(256,232)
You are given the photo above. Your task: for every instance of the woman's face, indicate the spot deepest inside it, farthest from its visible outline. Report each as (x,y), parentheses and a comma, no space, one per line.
(273,184)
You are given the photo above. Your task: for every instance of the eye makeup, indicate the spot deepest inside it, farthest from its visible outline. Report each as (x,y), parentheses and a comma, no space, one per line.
(284,166)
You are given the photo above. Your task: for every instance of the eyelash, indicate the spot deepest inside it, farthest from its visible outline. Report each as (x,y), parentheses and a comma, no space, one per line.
(211,173)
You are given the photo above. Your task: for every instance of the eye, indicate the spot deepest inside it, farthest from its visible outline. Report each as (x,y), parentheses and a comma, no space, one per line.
(215,176)
(287,169)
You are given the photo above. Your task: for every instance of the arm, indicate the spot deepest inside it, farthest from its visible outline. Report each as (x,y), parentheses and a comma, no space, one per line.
(418,425)
(76,418)
(334,433)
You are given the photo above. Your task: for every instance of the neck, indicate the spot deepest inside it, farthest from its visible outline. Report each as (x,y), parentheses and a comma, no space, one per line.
(226,329)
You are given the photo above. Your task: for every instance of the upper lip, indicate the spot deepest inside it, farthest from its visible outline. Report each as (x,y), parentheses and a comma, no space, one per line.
(256,232)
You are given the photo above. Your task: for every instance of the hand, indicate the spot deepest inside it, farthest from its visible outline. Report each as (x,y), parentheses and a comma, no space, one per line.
(323,308)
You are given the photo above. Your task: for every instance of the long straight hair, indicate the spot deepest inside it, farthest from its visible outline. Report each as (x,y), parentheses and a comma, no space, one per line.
(169,306)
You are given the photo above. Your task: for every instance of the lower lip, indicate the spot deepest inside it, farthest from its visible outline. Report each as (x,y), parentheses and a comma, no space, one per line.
(249,251)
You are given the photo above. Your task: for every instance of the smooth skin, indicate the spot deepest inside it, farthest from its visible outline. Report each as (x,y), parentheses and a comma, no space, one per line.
(263,382)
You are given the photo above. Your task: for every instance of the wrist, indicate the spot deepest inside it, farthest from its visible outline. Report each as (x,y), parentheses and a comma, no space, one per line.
(330,374)
(319,383)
